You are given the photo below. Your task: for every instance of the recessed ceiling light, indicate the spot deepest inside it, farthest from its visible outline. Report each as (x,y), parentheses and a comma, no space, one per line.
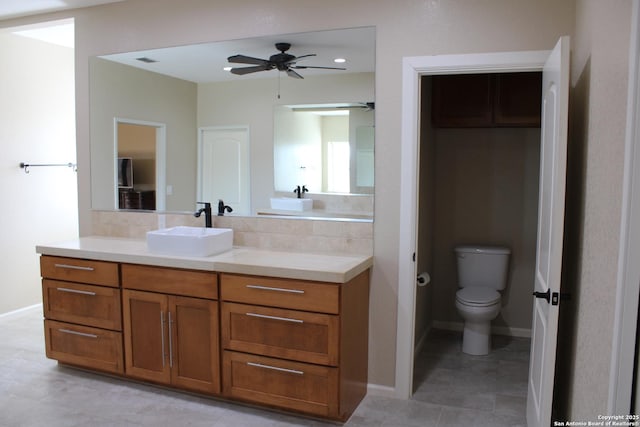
(339,60)
(227,68)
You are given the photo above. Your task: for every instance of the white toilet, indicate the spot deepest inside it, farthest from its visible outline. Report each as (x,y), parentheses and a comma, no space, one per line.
(482,272)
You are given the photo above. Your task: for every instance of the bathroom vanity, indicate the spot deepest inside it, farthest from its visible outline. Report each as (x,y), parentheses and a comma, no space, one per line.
(282,330)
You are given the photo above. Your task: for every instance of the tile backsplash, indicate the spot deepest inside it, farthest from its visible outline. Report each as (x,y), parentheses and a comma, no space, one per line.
(287,234)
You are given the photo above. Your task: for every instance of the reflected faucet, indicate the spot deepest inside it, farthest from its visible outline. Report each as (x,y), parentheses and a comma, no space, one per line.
(300,191)
(207,213)
(222,207)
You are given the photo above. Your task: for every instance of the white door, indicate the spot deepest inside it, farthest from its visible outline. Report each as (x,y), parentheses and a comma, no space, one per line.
(553,155)
(223,168)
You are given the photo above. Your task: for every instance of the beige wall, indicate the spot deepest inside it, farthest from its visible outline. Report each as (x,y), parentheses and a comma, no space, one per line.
(426,213)
(130,93)
(403,28)
(598,101)
(486,194)
(37,126)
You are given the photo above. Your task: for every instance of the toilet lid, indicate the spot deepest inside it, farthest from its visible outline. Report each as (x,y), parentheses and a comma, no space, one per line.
(478,296)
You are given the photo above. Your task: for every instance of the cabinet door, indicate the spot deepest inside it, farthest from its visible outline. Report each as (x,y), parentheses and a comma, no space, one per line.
(89,305)
(517,100)
(289,334)
(80,270)
(296,386)
(79,345)
(462,100)
(145,317)
(193,345)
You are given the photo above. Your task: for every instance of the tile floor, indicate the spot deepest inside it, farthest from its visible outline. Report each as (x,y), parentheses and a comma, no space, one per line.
(35,391)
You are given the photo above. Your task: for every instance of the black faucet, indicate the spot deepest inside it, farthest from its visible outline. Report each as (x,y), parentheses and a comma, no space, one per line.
(222,207)
(300,191)
(207,213)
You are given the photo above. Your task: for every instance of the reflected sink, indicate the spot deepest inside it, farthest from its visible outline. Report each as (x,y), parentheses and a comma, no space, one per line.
(190,241)
(291,204)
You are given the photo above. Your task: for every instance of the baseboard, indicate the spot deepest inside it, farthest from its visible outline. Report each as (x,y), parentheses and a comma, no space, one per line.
(381,390)
(495,330)
(20,310)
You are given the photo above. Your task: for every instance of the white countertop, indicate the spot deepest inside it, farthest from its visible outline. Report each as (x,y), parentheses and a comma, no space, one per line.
(261,262)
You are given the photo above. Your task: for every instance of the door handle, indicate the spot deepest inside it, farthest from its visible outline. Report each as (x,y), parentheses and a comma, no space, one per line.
(553,298)
(543,295)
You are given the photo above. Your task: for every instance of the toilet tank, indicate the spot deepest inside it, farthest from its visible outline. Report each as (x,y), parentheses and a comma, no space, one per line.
(482,266)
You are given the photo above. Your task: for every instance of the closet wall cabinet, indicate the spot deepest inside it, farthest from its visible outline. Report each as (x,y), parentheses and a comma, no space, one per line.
(486,100)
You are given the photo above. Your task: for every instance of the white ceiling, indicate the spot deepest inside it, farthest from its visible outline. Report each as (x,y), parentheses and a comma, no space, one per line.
(203,63)
(16,8)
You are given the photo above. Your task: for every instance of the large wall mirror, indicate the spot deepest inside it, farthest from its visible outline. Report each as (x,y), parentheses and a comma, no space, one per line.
(211,134)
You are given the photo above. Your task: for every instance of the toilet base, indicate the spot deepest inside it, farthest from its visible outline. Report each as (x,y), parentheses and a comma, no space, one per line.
(476,338)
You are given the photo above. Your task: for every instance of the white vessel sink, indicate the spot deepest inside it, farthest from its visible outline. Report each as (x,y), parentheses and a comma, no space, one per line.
(190,241)
(291,204)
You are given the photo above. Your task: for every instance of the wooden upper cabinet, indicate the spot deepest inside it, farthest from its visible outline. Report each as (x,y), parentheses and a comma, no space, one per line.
(462,100)
(486,100)
(518,99)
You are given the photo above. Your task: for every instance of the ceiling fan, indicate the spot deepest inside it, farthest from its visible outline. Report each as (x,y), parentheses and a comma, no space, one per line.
(281,61)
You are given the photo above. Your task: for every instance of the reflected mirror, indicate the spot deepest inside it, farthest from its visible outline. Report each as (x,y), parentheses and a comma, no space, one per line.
(183,96)
(327,148)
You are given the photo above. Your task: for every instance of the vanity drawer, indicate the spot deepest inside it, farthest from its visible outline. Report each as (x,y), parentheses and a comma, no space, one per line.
(295,335)
(283,293)
(97,306)
(84,346)
(281,383)
(191,283)
(80,270)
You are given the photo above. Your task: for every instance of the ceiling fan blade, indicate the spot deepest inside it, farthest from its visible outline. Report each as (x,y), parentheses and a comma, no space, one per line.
(293,74)
(302,67)
(242,59)
(247,70)
(297,58)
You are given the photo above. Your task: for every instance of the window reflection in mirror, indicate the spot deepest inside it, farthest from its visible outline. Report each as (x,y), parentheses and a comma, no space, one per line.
(326,147)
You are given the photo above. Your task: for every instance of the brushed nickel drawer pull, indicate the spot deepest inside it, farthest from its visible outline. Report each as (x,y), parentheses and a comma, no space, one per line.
(82,334)
(75,291)
(284,319)
(268,288)
(170,342)
(73,267)
(275,368)
(162,337)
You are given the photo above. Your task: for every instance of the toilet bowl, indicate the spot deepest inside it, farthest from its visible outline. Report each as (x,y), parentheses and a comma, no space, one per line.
(478,308)
(482,272)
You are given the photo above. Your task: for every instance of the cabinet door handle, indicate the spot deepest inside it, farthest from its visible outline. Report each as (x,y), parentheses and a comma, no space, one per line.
(76,291)
(162,335)
(269,288)
(73,267)
(275,368)
(284,319)
(82,334)
(170,342)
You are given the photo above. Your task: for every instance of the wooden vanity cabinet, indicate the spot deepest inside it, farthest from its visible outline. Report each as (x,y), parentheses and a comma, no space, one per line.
(82,310)
(170,319)
(295,345)
(289,344)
